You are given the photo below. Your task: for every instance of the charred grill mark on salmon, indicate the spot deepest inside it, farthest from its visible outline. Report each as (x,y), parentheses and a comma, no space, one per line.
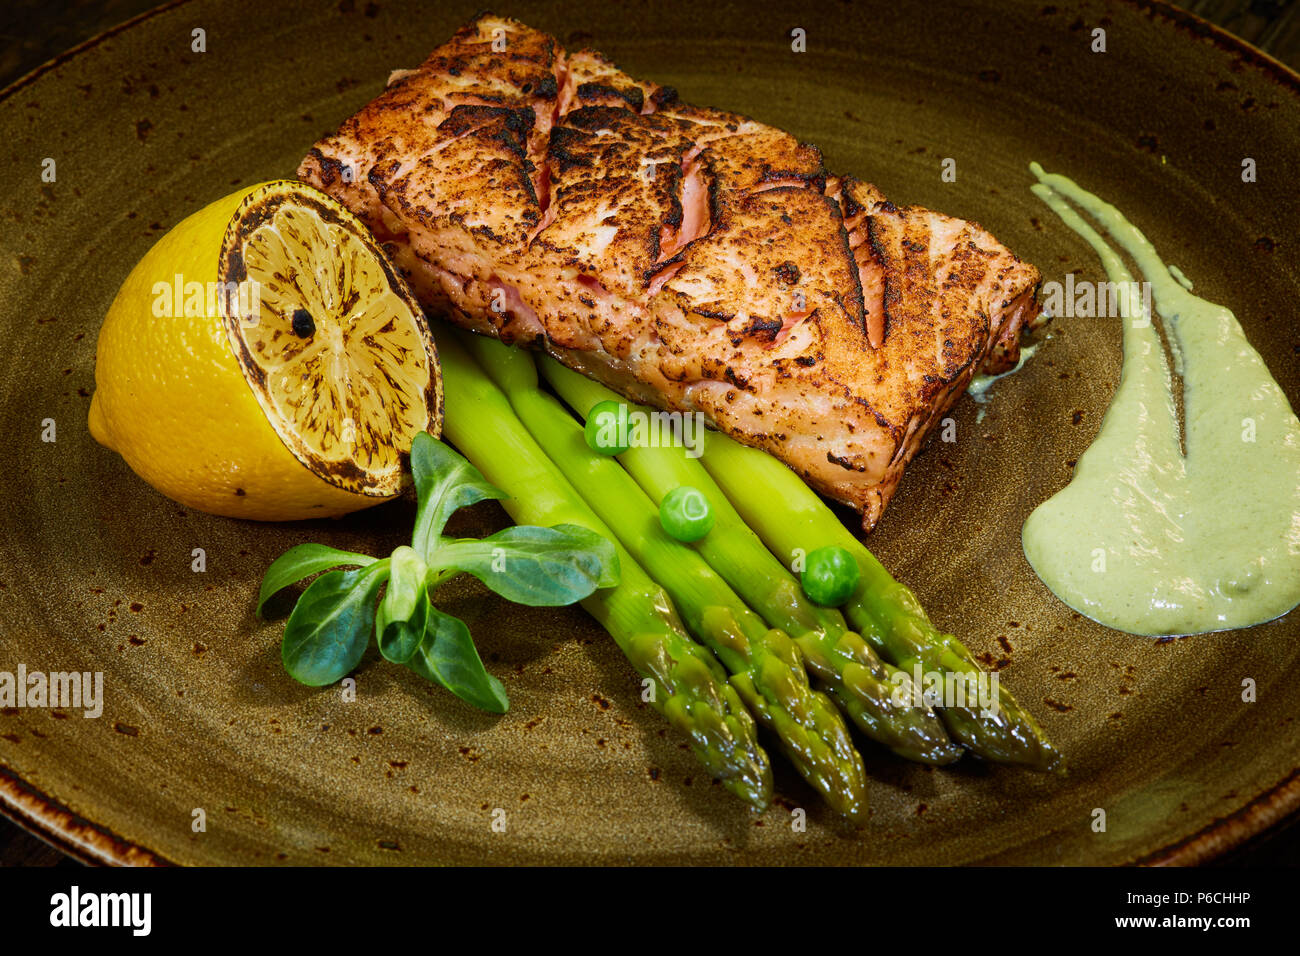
(688,257)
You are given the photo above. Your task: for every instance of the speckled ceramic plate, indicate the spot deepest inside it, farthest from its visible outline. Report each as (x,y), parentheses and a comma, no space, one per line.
(96,569)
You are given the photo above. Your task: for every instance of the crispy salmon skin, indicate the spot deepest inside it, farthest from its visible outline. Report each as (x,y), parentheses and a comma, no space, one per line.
(690,258)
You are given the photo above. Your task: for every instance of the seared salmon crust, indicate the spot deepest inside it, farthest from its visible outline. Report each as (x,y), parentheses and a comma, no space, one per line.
(690,258)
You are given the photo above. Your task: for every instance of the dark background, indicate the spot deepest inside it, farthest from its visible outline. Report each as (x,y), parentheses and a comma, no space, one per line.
(33,31)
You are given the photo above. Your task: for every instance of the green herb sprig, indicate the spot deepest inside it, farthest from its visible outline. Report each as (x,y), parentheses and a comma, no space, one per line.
(330,626)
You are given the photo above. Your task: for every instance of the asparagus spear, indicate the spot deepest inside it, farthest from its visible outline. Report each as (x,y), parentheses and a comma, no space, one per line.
(765,665)
(885,612)
(691,689)
(853,674)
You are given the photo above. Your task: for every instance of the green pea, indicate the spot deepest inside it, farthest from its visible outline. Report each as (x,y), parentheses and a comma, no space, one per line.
(686,514)
(830,576)
(607,430)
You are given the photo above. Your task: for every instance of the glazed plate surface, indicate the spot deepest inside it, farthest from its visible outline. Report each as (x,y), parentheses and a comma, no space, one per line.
(96,568)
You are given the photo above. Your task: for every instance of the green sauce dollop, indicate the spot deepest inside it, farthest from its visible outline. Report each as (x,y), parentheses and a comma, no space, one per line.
(1147,538)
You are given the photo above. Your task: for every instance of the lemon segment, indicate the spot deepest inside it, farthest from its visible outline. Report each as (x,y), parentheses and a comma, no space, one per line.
(336,349)
(263,360)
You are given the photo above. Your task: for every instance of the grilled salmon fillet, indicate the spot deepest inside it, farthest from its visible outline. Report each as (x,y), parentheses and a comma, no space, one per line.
(690,258)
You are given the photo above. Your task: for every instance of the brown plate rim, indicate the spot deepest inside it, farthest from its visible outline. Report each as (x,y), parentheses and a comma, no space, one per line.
(90,843)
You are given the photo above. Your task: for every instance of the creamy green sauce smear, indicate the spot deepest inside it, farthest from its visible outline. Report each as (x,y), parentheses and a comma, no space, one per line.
(979,386)
(1146,538)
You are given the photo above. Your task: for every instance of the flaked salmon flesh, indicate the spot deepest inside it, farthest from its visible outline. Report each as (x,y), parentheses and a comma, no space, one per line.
(689,258)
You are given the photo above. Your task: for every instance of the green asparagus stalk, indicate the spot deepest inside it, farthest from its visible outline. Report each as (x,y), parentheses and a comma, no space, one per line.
(878,698)
(765,664)
(885,612)
(690,690)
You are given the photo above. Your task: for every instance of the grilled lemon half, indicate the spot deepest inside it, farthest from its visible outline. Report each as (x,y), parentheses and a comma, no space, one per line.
(264,360)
